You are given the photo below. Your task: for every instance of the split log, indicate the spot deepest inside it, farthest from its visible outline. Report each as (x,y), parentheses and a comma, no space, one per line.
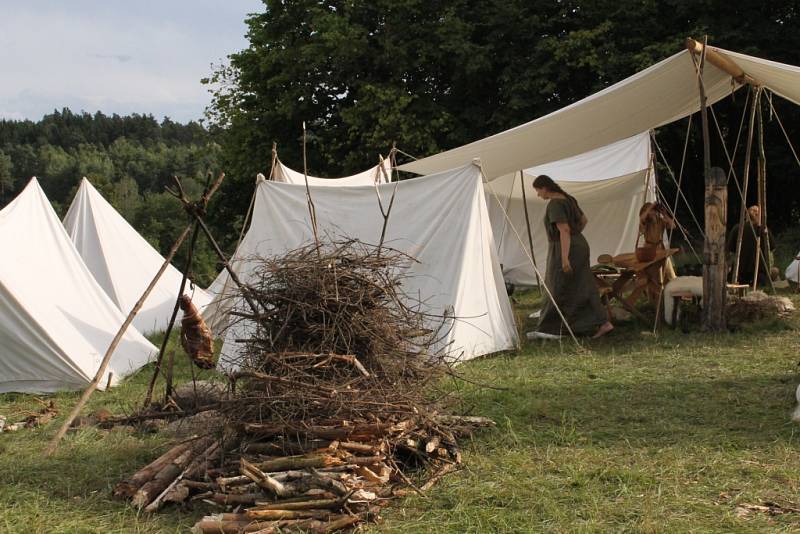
(288,514)
(363,432)
(198,485)
(302,505)
(168,473)
(235,499)
(128,487)
(299,462)
(222,525)
(264,480)
(226,482)
(338,524)
(286,448)
(177,491)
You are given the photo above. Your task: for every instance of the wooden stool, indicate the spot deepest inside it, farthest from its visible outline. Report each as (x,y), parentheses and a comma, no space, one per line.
(679,300)
(738,290)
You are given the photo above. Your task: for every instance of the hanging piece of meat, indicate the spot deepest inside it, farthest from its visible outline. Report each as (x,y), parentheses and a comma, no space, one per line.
(196,338)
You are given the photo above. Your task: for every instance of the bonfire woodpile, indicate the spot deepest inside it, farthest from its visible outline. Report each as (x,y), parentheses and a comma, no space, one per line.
(335,404)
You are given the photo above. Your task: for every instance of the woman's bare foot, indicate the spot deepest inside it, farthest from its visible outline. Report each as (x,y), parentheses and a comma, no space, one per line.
(604,329)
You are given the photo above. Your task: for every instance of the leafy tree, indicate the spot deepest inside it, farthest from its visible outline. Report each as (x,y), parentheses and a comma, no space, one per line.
(433,75)
(6,177)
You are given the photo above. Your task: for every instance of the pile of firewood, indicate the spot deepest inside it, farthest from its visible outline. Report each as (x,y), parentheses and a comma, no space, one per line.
(331,477)
(335,401)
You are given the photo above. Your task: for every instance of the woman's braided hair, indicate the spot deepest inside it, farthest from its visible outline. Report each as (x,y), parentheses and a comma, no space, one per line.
(545,182)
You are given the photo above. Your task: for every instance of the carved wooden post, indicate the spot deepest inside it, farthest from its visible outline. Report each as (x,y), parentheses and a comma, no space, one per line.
(714,264)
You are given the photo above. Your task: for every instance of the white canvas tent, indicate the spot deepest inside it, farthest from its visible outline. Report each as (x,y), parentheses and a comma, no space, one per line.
(658,95)
(440,220)
(792,272)
(56,322)
(374,175)
(610,183)
(122,261)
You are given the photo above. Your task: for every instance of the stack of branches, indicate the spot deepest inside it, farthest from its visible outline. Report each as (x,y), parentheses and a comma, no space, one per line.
(335,337)
(337,399)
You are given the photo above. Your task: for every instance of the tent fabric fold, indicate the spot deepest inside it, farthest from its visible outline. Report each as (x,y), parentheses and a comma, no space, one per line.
(56,322)
(440,220)
(658,95)
(122,261)
(371,176)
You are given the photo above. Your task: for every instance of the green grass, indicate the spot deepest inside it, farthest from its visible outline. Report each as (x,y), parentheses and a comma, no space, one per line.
(635,434)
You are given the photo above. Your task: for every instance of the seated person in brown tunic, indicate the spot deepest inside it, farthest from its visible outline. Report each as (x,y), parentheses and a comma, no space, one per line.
(755,237)
(654,220)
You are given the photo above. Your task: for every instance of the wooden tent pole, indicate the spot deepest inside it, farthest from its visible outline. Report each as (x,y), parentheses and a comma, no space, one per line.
(312,212)
(528,227)
(714,287)
(272,165)
(719,60)
(761,166)
(743,218)
(121,332)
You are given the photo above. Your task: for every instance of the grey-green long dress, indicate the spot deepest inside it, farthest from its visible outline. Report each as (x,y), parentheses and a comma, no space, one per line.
(576,293)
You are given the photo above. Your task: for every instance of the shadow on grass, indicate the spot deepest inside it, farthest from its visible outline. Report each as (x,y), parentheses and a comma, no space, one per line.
(747,412)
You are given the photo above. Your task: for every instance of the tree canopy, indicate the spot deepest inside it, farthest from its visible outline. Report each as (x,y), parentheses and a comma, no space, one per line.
(432,75)
(129,159)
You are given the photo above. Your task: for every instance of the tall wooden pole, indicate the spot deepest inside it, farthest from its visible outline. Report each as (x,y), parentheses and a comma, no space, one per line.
(528,227)
(744,220)
(716,207)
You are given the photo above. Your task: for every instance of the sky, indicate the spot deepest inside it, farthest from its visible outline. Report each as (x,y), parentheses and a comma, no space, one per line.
(115,56)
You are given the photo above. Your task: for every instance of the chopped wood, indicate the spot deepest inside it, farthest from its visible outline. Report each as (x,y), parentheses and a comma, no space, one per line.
(233,499)
(299,462)
(432,445)
(287,514)
(165,476)
(331,408)
(128,487)
(302,505)
(238,480)
(264,480)
(447,468)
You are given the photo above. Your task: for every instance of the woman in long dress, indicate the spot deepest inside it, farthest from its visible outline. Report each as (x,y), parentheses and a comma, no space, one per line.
(569,277)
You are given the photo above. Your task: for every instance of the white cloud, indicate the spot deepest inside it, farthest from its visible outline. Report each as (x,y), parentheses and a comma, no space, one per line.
(123,57)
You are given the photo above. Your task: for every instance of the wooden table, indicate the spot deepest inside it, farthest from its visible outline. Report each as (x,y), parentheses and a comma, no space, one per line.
(636,279)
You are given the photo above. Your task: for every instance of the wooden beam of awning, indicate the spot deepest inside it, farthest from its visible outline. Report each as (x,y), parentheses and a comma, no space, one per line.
(721,61)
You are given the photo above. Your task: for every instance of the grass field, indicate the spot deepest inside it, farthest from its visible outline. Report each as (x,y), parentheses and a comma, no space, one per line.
(637,433)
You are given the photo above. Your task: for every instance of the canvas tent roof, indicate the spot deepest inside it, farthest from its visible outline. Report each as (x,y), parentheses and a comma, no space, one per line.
(660,94)
(122,261)
(371,176)
(56,322)
(441,220)
(610,186)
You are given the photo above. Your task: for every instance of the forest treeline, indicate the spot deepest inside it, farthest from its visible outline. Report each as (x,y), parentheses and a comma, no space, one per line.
(129,159)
